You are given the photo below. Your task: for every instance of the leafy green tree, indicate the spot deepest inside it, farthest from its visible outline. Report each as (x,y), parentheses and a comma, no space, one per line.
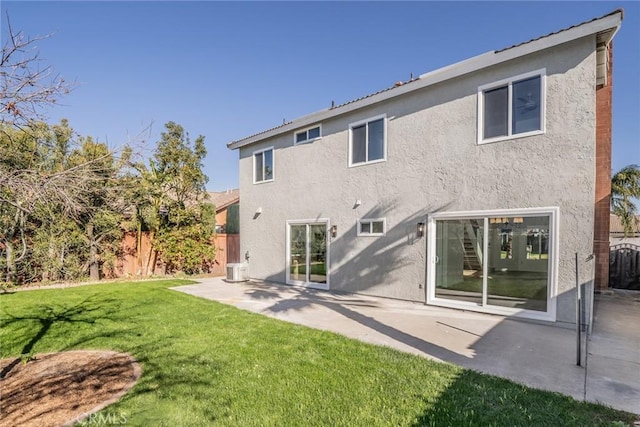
(143,194)
(179,164)
(32,175)
(167,194)
(51,186)
(233,219)
(58,248)
(102,213)
(185,242)
(625,186)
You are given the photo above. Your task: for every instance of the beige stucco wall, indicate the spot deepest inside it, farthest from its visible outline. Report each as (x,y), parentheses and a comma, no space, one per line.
(433,164)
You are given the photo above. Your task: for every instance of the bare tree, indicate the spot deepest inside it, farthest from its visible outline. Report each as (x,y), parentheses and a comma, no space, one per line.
(40,172)
(26,89)
(33,170)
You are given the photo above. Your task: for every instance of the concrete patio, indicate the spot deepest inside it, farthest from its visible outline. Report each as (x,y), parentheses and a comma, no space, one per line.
(537,355)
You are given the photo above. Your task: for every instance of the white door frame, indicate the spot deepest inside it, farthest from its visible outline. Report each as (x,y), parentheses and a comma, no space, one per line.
(307,222)
(552,275)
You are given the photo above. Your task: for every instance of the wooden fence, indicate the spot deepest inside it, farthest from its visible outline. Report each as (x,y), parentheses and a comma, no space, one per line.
(227,251)
(624,266)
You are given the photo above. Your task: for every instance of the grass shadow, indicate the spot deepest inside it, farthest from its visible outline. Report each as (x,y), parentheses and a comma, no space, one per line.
(475,399)
(47,315)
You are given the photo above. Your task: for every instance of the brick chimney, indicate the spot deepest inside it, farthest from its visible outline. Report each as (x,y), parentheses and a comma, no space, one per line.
(602,210)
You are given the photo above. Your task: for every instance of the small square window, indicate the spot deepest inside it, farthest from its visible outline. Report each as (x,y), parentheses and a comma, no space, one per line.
(372,227)
(307,135)
(314,133)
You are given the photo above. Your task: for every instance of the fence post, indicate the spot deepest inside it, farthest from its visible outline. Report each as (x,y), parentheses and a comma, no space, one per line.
(578,316)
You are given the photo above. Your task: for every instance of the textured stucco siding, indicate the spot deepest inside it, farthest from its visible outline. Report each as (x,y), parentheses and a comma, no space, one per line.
(433,164)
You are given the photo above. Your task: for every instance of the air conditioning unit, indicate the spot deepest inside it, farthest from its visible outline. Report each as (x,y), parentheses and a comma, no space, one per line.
(237,272)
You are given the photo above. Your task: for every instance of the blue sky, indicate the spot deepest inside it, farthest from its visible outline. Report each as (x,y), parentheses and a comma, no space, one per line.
(228,70)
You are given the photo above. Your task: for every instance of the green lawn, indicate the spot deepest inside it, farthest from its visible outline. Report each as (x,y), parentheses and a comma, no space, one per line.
(206,363)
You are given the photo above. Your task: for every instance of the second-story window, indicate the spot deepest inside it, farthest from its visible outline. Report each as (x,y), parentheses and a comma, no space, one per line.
(367,141)
(511,108)
(263,165)
(307,135)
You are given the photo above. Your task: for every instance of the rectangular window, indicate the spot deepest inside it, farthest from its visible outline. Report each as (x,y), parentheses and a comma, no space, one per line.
(307,135)
(372,227)
(367,141)
(512,107)
(501,262)
(263,165)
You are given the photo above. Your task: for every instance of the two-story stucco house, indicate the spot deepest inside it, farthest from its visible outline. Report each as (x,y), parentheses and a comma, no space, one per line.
(472,186)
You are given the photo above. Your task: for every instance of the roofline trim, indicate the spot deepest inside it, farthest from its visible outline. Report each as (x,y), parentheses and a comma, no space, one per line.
(227,204)
(475,63)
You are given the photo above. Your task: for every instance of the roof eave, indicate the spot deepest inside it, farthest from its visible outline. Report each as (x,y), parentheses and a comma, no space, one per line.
(485,60)
(227,204)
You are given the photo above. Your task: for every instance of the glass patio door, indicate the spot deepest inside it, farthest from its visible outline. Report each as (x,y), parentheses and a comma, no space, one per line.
(499,262)
(307,254)
(459,248)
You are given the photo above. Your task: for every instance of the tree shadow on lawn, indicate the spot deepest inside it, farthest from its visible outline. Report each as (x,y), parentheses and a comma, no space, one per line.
(45,316)
(171,381)
(478,399)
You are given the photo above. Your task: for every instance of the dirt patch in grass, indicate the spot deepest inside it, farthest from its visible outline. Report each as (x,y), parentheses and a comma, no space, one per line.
(63,388)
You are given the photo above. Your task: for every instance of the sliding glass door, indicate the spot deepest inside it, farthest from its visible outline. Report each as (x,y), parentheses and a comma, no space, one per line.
(459,247)
(518,267)
(307,253)
(500,262)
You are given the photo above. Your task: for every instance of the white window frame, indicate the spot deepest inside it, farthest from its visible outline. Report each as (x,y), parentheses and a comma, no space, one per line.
(509,83)
(306,130)
(384,140)
(273,161)
(552,212)
(371,221)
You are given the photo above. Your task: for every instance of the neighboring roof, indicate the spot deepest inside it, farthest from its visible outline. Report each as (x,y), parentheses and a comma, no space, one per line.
(605,27)
(617,229)
(224,199)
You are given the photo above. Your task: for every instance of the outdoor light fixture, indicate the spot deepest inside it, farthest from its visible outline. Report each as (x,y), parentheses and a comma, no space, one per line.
(334,230)
(420,231)
(257,213)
